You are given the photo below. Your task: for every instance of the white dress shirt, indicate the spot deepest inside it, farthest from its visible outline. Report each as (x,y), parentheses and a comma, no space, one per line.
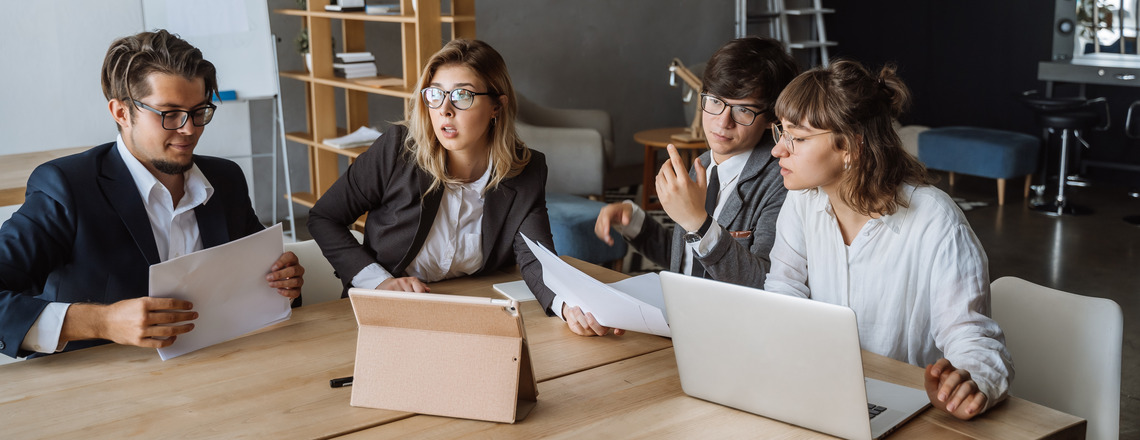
(175,231)
(728,172)
(918,281)
(454,245)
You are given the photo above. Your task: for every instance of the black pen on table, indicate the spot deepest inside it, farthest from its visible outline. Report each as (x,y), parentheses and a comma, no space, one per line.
(340,382)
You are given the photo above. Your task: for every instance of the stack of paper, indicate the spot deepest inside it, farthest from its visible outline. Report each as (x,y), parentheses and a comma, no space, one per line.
(382,9)
(361,137)
(354,65)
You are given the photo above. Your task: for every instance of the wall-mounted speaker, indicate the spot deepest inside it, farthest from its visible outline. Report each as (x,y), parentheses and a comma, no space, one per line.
(1064,29)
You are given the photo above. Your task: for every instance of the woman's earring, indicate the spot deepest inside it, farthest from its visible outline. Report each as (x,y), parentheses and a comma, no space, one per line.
(846,164)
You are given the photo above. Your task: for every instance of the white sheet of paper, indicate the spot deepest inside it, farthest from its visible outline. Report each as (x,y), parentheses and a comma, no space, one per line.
(227,286)
(516,290)
(612,307)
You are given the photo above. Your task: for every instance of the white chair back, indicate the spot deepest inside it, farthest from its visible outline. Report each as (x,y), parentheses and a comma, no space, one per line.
(1066,350)
(321,284)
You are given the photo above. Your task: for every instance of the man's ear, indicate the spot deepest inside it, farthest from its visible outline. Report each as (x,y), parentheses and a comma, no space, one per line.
(120,112)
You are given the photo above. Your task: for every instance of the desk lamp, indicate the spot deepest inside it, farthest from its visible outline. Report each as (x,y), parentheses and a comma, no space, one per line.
(694,133)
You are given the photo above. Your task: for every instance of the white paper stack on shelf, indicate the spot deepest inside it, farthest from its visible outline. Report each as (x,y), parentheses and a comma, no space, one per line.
(354,65)
(361,137)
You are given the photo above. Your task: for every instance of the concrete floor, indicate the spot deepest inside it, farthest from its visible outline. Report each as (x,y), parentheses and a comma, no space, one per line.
(1094,255)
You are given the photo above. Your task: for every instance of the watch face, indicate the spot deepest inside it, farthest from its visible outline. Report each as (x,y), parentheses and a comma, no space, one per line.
(692,237)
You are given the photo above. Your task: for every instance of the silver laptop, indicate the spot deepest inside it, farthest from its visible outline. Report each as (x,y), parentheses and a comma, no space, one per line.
(791,359)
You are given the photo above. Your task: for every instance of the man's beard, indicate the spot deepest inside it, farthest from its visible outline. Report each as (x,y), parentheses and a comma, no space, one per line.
(173,168)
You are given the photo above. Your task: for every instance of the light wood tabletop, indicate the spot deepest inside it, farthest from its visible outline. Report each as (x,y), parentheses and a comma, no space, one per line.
(273,383)
(15,169)
(641,397)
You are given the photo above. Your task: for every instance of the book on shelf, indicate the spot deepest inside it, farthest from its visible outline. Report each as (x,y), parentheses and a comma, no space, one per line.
(349,74)
(339,8)
(382,9)
(355,57)
(359,138)
(345,6)
(355,66)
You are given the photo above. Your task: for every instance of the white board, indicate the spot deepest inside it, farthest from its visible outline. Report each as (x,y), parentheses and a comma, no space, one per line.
(234,35)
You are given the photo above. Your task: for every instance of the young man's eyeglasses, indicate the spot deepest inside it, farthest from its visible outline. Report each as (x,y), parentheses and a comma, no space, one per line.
(461,99)
(778,133)
(175,119)
(740,114)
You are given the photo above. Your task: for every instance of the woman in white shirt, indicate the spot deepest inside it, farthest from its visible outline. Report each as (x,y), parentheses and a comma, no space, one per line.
(862,227)
(448,192)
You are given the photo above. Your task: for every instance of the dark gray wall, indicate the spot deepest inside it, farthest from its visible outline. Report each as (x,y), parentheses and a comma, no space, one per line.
(610,55)
(593,54)
(965,60)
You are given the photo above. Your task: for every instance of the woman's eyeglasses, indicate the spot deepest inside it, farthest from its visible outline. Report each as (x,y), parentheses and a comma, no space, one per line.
(779,133)
(461,99)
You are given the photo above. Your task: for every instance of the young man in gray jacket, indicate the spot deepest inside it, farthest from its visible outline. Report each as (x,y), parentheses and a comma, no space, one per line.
(725,207)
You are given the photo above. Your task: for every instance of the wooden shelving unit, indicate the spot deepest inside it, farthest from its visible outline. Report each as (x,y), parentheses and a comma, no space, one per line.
(421,36)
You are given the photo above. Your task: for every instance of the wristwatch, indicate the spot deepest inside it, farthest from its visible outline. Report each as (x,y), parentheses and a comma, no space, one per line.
(695,236)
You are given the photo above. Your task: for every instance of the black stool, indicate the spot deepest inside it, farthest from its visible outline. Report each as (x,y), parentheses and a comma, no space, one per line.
(1069,122)
(1133,131)
(1071,116)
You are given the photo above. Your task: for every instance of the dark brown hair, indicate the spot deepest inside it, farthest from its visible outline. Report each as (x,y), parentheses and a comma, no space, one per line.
(130,60)
(750,67)
(859,109)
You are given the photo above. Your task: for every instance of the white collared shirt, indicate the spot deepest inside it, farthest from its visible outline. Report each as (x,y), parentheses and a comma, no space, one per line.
(175,230)
(454,245)
(729,174)
(918,281)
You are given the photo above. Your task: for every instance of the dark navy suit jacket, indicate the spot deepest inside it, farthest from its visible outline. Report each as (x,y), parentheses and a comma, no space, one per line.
(83,235)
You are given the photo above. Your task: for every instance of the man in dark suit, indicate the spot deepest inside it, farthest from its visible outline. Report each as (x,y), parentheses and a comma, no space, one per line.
(74,260)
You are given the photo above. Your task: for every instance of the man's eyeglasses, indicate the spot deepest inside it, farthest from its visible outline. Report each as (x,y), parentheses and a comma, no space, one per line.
(461,99)
(779,133)
(175,119)
(740,114)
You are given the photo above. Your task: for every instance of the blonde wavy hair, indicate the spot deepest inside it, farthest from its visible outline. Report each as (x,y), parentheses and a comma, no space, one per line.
(509,155)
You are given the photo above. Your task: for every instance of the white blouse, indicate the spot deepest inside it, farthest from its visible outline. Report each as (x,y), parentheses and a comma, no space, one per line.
(454,245)
(918,281)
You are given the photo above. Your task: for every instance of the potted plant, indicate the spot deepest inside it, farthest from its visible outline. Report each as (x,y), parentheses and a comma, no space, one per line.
(302,42)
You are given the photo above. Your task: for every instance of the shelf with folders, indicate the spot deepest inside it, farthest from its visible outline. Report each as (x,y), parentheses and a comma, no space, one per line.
(422,33)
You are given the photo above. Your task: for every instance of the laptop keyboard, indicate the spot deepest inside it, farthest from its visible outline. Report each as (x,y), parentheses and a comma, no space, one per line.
(875,410)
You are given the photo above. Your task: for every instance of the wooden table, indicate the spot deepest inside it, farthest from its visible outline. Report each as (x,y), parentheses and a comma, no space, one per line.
(274,384)
(15,169)
(270,384)
(658,139)
(641,397)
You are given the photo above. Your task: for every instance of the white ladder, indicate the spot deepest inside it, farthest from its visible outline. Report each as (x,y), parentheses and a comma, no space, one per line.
(776,16)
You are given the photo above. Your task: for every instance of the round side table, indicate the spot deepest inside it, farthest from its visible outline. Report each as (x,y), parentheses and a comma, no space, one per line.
(655,140)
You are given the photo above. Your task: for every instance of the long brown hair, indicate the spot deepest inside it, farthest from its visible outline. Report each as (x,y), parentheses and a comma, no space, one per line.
(859,108)
(508,153)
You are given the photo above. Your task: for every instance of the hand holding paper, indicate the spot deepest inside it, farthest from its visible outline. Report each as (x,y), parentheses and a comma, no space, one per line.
(635,304)
(227,285)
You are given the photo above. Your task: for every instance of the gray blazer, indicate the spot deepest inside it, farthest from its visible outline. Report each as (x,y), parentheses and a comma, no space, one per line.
(751,211)
(387,185)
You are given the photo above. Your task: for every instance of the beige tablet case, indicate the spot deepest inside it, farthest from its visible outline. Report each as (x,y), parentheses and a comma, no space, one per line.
(443,355)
